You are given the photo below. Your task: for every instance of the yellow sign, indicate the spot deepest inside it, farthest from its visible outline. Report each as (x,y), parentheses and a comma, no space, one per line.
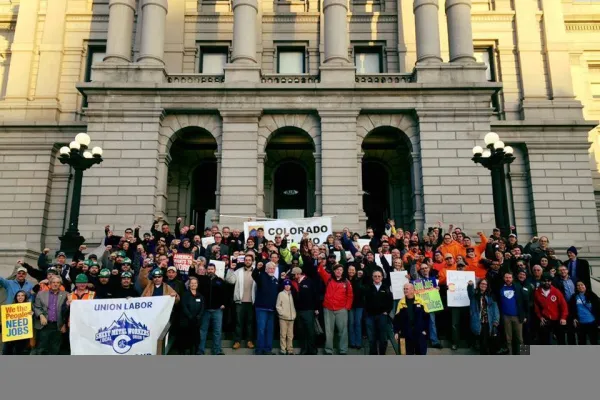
(17,322)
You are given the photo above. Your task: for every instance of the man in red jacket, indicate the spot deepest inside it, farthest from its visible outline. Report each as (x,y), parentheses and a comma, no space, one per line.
(552,311)
(337,302)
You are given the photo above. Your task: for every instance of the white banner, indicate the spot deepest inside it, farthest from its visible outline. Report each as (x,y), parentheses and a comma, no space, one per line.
(118,326)
(457,287)
(398,279)
(318,229)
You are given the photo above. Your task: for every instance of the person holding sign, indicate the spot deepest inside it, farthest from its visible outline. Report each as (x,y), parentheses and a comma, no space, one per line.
(16,325)
(458,301)
(427,289)
(378,301)
(485,316)
(411,322)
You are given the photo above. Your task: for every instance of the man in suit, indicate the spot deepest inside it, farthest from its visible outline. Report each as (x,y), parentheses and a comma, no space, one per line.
(49,311)
(579,269)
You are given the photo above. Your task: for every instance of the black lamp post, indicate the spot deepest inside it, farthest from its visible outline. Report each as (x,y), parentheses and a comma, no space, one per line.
(80,159)
(494,158)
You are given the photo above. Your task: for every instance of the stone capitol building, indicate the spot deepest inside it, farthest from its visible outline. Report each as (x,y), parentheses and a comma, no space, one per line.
(220,110)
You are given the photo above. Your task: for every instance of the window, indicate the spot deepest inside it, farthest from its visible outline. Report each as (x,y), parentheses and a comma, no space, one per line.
(95,55)
(594,71)
(213,59)
(485,55)
(291,60)
(368,60)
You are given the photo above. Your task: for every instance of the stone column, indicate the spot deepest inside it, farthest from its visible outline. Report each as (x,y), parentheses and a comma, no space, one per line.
(244,31)
(260,187)
(22,52)
(120,31)
(427,31)
(362,217)
(460,31)
(318,185)
(152,48)
(336,30)
(215,219)
(417,198)
(160,202)
(244,66)
(335,66)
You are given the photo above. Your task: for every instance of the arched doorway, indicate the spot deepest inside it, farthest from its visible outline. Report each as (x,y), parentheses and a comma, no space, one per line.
(386,179)
(193,178)
(376,194)
(289,174)
(290,197)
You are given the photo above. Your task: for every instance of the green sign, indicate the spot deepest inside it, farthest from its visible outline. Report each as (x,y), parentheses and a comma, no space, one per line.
(429,295)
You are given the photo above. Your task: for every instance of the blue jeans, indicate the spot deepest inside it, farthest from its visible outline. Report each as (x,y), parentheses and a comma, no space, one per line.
(433,330)
(214,318)
(265,320)
(377,331)
(355,327)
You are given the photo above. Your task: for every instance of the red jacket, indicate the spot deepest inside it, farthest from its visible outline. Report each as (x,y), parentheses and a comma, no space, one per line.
(338,294)
(554,307)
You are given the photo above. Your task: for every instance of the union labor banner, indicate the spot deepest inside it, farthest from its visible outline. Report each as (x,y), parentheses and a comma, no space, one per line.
(318,228)
(119,326)
(17,322)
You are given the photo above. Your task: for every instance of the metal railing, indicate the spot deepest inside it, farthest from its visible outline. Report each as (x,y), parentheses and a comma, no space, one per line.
(196,78)
(384,78)
(289,79)
(162,344)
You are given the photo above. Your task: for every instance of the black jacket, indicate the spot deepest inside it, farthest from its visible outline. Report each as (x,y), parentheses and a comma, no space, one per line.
(306,295)
(122,293)
(379,301)
(582,271)
(213,291)
(192,308)
(358,300)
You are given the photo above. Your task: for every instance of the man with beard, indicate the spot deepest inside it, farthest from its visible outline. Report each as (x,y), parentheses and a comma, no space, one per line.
(106,284)
(212,289)
(126,289)
(243,295)
(552,311)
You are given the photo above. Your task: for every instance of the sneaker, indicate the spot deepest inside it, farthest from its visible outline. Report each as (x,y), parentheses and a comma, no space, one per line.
(282,352)
(220,353)
(454,347)
(236,345)
(291,353)
(250,345)
(437,346)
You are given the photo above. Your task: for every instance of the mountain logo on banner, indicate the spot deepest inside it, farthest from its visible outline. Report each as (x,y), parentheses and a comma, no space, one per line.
(122,334)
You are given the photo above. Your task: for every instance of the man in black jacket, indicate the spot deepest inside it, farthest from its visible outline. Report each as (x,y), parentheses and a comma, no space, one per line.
(212,289)
(579,269)
(126,288)
(305,295)
(378,302)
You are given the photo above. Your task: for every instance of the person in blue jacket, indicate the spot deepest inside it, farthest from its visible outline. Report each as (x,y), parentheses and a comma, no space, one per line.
(411,322)
(12,286)
(485,316)
(267,289)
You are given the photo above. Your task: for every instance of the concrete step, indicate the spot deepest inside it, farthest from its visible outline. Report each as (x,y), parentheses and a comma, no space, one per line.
(352,352)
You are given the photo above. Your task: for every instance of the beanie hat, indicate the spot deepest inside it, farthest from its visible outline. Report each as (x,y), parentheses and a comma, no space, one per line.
(104,273)
(287,282)
(81,278)
(572,249)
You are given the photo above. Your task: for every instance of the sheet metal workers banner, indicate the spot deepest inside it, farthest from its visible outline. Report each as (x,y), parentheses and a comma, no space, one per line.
(318,228)
(118,326)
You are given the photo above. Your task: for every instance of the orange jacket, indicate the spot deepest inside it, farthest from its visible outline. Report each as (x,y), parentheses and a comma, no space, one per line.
(474,265)
(44,287)
(454,248)
(480,248)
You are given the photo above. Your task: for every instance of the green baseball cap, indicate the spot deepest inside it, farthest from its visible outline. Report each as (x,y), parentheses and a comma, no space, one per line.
(81,278)
(104,273)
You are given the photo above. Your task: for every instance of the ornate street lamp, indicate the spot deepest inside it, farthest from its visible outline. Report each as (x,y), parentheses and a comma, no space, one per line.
(79,158)
(494,157)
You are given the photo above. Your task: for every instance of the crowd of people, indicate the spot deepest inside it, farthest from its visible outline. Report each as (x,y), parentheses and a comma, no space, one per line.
(522,294)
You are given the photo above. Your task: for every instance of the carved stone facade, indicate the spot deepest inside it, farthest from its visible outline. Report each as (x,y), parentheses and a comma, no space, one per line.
(211,146)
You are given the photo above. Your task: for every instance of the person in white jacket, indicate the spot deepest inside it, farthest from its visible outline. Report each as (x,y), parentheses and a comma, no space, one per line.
(287,315)
(243,296)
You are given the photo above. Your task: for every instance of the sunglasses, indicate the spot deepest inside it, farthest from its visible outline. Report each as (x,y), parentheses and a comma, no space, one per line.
(448,258)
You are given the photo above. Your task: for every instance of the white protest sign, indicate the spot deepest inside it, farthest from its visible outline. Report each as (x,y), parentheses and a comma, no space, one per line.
(119,326)
(362,243)
(206,241)
(219,268)
(388,257)
(398,279)
(318,228)
(457,287)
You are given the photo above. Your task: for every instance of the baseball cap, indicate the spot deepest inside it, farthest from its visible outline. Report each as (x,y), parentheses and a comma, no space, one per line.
(287,282)
(61,253)
(448,255)
(172,268)
(22,269)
